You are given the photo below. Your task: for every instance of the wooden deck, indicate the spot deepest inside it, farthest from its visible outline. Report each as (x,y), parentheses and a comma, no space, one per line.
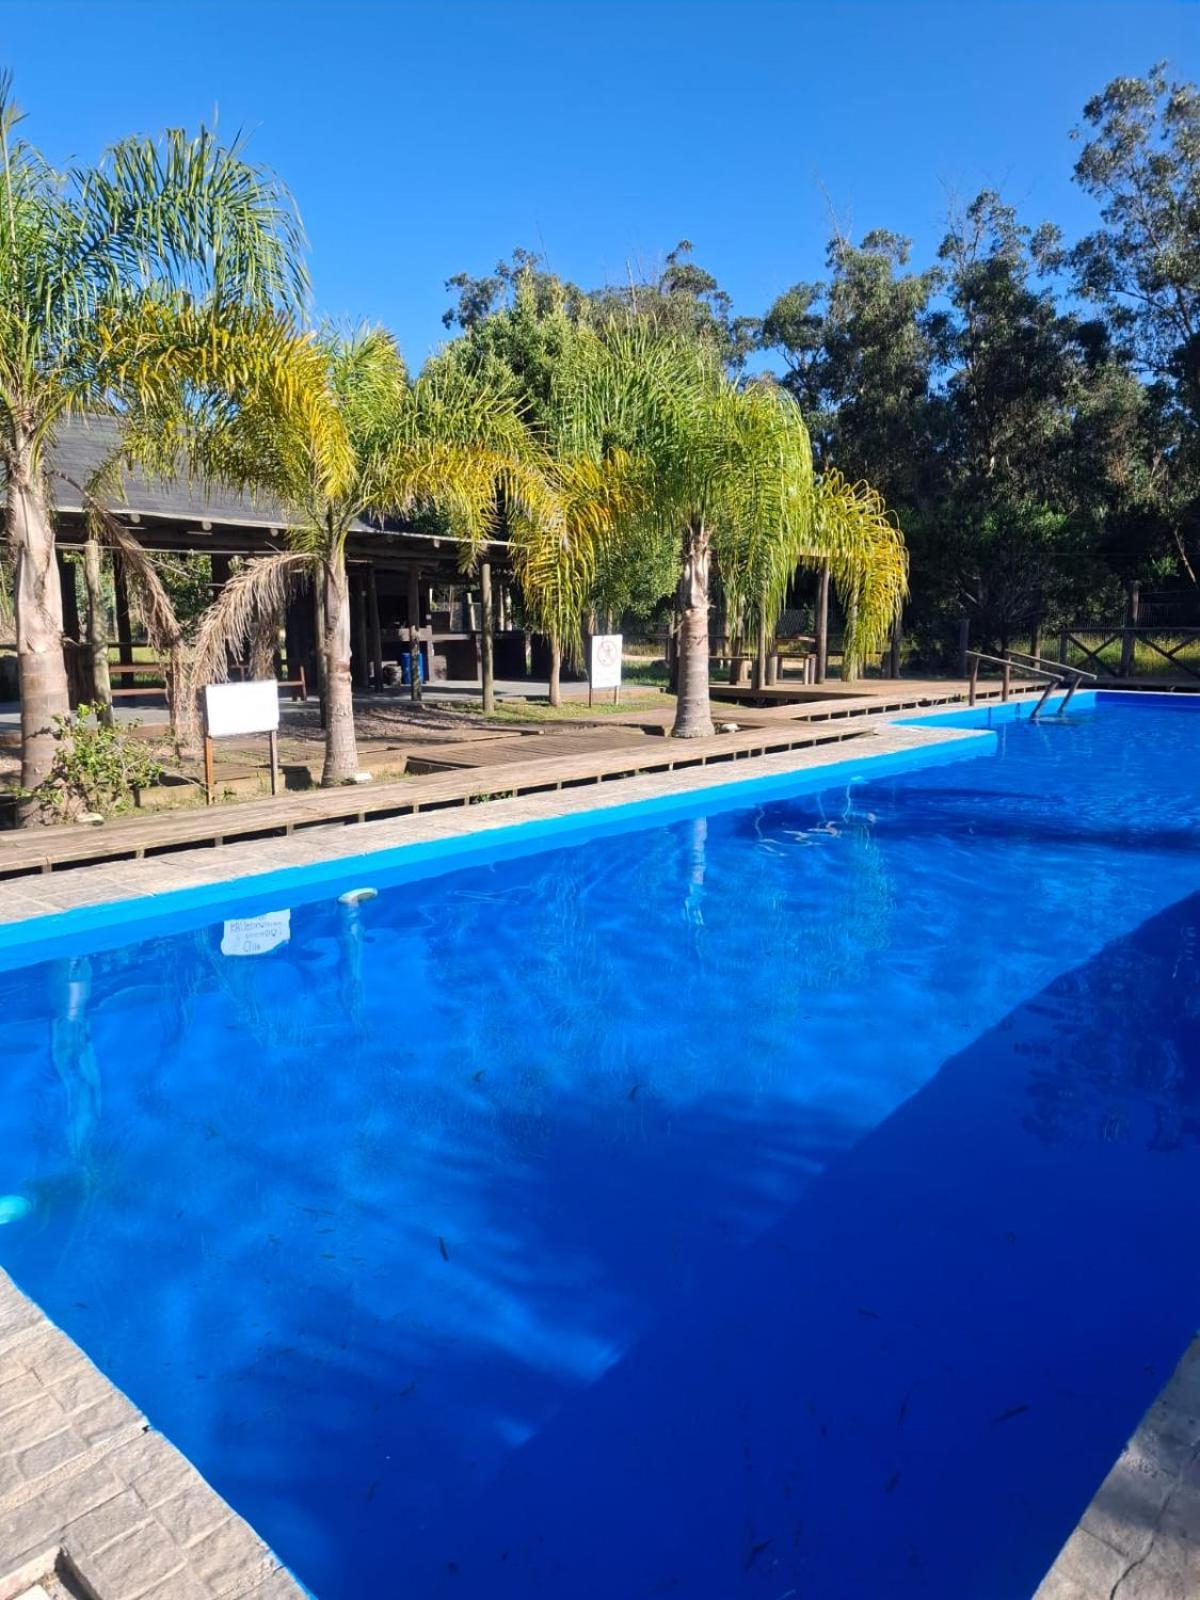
(51,849)
(530,745)
(489,765)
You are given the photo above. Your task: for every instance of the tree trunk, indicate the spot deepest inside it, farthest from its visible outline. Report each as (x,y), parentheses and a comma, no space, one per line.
(38,603)
(555,673)
(341,751)
(487,653)
(693,715)
(100,691)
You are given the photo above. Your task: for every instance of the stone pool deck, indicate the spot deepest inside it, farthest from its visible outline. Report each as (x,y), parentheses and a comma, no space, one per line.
(94,1504)
(1140,1537)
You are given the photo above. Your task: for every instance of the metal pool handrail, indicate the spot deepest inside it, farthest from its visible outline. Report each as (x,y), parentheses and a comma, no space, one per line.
(1056,673)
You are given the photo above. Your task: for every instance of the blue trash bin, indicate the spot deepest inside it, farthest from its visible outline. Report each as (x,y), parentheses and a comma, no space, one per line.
(406,665)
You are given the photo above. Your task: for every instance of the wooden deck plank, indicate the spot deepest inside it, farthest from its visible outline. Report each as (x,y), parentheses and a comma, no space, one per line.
(537,746)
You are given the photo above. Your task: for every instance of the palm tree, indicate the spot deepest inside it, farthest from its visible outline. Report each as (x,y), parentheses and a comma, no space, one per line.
(178,225)
(368,441)
(564,566)
(725,472)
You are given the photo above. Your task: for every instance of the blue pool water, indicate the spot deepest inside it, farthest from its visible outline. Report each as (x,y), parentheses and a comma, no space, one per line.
(791,1201)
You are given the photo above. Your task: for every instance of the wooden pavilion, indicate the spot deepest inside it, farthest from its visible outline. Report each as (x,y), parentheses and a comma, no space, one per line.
(399,575)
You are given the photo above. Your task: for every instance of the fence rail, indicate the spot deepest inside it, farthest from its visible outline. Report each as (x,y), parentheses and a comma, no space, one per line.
(1114,651)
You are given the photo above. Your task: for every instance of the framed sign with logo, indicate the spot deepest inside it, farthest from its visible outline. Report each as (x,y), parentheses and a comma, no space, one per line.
(604,667)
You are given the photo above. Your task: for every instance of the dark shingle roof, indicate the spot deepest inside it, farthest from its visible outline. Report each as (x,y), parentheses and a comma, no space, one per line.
(85,443)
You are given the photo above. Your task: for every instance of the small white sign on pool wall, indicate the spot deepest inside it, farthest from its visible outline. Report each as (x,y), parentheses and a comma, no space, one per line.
(606,660)
(234,708)
(254,936)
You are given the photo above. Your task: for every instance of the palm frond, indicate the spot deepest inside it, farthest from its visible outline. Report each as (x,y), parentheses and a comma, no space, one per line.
(255,597)
(860,538)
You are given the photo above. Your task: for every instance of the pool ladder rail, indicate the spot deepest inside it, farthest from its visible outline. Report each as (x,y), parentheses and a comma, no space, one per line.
(1058,675)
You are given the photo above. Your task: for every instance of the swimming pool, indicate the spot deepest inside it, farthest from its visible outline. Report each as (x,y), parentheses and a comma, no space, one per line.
(789,1199)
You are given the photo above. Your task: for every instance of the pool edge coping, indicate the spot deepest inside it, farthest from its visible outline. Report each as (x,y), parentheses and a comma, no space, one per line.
(91,1492)
(441,841)
(1139,1516)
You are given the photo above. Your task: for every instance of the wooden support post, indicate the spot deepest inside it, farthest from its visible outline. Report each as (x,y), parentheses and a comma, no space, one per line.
(1064,646)
(319,626)
(376,629)
(414,636)
(210,782)
(895,648)
(273,740)
(851,665)
(70,597)
(822,625)
(1006,680)
(100,685)
(760,657)
(973,682)
(964,644)
(487,658)
(73,653)
(1129,633)
(121,598)
(360,655)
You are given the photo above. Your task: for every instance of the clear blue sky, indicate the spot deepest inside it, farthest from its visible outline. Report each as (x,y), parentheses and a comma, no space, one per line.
(426,139)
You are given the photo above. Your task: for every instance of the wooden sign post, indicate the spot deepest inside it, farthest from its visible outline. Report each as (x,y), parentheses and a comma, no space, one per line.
(232,710)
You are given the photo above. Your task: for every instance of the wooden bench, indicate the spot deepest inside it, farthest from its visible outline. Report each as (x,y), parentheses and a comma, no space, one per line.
(126,669)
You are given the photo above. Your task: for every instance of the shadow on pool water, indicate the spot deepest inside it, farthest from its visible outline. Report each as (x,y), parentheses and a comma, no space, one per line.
(909,1386)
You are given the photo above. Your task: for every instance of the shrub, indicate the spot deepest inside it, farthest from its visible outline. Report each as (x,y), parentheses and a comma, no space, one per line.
(96,767)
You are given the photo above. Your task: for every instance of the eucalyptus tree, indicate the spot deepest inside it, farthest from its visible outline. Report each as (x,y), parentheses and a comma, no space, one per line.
(724,472)
(1140,160)
(181,222)
(860,357)
(353,436)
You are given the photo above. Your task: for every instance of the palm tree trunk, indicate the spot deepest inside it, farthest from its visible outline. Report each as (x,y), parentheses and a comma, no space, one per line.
(37,597)
(341,750)
(100,691)
(693,714)
(555,673)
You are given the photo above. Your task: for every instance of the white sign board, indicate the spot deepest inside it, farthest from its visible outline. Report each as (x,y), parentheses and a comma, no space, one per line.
(606,661)
(254,936)
(237,708)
